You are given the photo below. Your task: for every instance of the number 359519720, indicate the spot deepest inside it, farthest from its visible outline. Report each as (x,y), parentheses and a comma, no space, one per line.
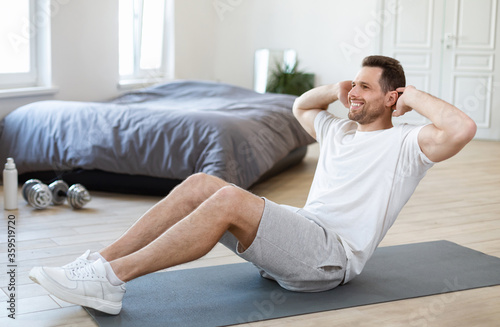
(11,238)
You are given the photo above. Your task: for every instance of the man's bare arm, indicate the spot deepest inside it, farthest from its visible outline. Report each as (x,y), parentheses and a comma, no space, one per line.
(309,104)
(450,131)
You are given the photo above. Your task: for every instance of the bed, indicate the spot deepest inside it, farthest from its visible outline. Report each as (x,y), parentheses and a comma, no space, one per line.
(147,141)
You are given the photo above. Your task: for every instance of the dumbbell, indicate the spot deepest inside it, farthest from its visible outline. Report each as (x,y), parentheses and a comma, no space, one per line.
(40,195)
(37,194)
(77,194)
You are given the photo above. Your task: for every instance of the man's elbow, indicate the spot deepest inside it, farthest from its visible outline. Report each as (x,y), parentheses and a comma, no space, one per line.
(448,142)
(296,108)
(467,131)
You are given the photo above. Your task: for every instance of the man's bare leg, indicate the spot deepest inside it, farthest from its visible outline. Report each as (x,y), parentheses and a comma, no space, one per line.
(230,208)
(181,201)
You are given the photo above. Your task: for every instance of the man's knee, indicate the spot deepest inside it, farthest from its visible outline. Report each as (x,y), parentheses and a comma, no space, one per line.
(240,211)
(197,178)
(236,203)
(230,195)
(204,184)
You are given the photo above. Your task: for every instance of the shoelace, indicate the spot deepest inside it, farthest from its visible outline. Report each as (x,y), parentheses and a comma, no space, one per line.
(83,272)
(80,261)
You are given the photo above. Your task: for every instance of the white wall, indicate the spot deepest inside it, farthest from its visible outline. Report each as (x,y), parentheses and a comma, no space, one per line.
(316,29)
(194,39)
(84,50)
(210,43)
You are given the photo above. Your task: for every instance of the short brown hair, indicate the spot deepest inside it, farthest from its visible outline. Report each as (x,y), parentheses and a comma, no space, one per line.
(393,75)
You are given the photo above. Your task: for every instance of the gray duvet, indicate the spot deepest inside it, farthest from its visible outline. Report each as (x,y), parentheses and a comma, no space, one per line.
(170,130)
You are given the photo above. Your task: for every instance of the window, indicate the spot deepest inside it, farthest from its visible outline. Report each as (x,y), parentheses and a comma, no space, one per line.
(17,44)
(142,35)
(25,67)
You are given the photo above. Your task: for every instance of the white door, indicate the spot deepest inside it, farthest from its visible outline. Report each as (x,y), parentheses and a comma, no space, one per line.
(448,48)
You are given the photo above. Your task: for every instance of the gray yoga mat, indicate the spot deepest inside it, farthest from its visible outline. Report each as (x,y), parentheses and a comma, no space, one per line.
(235,294)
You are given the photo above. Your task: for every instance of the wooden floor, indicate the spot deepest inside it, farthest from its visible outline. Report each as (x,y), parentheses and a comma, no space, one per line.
(458,200)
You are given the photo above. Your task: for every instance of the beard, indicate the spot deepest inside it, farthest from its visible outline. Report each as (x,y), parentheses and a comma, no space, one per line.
(368,114)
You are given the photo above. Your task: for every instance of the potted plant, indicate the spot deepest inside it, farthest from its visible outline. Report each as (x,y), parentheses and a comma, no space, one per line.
(288,80)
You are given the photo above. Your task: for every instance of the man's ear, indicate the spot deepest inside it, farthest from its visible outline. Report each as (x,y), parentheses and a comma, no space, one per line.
(391,98)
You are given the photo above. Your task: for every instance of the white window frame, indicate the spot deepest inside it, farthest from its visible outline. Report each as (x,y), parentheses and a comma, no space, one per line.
(142,77)
(38,80)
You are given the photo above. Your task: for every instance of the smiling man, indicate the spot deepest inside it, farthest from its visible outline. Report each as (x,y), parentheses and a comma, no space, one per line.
(367,171)
(367,168)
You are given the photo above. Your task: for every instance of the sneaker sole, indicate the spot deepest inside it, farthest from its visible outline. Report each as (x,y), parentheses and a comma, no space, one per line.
(38,276)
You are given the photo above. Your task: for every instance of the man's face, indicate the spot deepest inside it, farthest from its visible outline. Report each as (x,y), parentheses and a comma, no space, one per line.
(366,97)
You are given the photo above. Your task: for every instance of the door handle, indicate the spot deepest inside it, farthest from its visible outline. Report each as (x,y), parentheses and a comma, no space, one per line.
(449,40)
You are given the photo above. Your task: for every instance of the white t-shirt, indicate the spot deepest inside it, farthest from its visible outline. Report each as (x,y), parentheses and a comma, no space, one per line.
(362,181)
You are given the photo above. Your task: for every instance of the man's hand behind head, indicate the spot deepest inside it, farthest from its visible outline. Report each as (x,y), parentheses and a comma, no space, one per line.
(401,107)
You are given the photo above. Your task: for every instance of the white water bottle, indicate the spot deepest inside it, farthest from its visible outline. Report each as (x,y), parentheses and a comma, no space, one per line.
(10,185)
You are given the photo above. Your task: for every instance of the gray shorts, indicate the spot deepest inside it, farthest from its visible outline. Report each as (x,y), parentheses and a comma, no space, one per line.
(294,250)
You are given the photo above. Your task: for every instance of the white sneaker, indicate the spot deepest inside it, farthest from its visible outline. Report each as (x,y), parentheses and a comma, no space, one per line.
(87,286)
(81,261)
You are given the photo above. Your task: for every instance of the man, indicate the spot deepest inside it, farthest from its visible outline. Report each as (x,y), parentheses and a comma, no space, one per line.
(367,170)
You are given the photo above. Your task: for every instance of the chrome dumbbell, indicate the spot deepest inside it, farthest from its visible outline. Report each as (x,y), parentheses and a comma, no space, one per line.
(77,194)
(41,196)
(37,194)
